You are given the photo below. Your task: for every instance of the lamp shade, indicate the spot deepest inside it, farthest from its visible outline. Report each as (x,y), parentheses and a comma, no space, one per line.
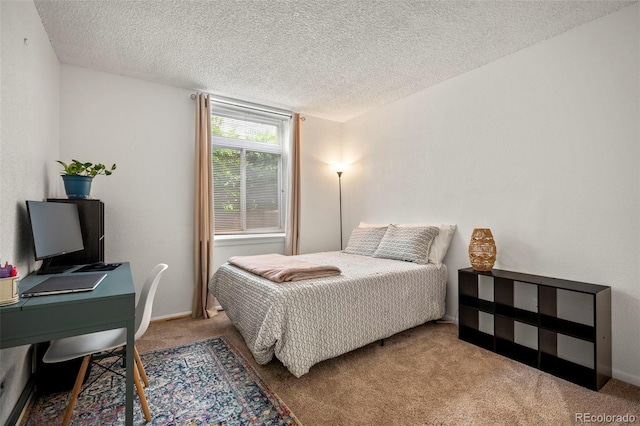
(482,249)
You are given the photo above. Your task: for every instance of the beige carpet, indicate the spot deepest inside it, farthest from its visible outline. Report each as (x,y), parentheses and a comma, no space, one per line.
(423,376)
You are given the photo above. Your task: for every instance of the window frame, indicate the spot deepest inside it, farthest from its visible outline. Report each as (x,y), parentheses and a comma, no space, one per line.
(264,115)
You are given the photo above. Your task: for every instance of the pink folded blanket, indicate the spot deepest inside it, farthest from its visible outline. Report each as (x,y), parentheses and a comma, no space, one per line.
(279,268)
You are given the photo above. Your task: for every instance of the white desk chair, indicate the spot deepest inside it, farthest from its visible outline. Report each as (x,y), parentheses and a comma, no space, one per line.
(88,345)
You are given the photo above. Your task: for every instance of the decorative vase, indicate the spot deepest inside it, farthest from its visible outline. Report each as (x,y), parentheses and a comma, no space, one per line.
(77,187)
(482,249)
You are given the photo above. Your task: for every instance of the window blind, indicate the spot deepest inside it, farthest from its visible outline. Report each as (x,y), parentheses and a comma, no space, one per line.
(248,163)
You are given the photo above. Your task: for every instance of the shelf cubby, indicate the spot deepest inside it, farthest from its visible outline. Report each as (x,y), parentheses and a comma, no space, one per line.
(545,323)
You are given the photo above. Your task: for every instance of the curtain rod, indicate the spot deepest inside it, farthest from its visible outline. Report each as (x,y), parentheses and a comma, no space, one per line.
(247,105)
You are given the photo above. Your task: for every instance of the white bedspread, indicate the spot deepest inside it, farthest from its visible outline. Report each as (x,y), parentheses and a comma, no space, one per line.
(305,322)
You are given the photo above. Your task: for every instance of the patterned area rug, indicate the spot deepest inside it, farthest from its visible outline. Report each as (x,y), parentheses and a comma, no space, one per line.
(204,383)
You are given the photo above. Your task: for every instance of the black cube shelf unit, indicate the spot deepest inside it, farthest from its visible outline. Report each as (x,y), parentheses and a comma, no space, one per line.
(545,321)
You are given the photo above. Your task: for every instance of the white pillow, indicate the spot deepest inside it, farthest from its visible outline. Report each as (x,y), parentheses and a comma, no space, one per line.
(372,225)
(441,243)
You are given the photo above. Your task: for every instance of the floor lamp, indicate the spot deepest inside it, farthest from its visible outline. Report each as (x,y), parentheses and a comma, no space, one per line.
(340,195)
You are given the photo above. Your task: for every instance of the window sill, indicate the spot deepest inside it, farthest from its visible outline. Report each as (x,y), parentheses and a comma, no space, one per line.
(248,239)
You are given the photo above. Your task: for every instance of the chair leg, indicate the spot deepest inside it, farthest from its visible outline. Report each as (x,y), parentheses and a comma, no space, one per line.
(76,390)
(143,398)
(140,367)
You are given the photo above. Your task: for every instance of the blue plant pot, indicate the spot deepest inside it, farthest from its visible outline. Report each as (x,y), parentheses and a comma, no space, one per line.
(77,187)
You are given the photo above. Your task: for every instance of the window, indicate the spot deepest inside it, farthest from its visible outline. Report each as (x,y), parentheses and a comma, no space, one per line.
(249,182)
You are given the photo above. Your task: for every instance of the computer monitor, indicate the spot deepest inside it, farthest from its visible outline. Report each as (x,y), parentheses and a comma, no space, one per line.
(55,228)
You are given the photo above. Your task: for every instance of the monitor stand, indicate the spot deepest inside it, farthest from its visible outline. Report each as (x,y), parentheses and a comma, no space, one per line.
(47,268)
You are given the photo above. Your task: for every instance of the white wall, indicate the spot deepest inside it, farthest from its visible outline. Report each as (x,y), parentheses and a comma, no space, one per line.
(147,129)
(541,146)
(29,145)
(319,213)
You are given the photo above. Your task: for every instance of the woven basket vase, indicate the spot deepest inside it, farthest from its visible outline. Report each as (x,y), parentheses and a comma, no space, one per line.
(482,249)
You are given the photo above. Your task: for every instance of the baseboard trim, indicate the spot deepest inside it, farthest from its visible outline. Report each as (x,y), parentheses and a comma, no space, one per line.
(171,317)
(625,377)
(450,318)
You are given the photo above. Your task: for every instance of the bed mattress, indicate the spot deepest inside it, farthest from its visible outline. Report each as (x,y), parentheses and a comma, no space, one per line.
(305,322)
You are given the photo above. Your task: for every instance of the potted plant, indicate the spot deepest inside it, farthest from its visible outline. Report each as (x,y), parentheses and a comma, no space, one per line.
(78,176)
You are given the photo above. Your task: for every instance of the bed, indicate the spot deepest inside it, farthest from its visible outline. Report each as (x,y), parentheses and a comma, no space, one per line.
(305,322)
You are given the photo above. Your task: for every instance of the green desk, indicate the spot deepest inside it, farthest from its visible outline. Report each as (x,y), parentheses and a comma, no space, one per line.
(43,318)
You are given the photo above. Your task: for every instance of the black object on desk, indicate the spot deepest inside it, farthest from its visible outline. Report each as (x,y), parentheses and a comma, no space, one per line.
(92,224)
(98,267)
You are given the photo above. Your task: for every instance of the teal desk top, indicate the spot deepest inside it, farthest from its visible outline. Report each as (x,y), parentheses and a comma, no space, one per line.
(44,318)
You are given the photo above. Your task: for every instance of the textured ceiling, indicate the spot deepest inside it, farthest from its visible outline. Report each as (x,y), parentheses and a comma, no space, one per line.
(333,59)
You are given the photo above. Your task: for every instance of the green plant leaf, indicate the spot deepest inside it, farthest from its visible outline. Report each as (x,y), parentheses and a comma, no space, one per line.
(77,168)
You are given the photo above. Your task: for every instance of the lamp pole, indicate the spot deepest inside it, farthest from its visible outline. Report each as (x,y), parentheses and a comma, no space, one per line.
(340,195)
